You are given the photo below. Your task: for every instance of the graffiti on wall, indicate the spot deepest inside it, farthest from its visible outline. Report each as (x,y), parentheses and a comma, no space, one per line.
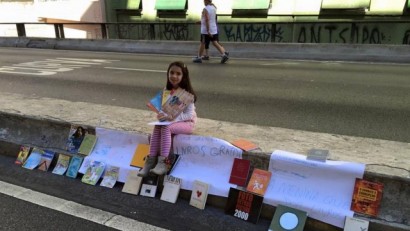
(174,31)
(248,32)
(358,33)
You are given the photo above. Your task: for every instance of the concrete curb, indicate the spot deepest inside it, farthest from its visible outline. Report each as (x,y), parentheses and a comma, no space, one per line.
(308,51)
(44,122)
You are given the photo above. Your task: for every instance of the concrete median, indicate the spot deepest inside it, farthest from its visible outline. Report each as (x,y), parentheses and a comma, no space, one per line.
(303,51)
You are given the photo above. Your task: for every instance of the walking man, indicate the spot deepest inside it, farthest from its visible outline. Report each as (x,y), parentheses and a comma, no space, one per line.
(209,33)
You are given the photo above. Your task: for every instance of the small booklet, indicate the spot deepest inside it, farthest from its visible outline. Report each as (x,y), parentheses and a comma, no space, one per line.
(46,159)
(149,185)
(133,182)
(110,176)
(356,224)
(33,159)
(62,164)
(240,172)
(93,172)
(88,144)
(288,218)
(172,185)
(22,155)
(367,197)
(74,166)
(259,181)
(245,145)
(199,194)
(140,155)
(244,205)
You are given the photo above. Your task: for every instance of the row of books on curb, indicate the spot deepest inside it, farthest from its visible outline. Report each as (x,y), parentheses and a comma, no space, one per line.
(244,202)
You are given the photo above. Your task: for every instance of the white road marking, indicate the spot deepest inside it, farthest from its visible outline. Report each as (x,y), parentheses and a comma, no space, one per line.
(132,69)
(75,209)
(51,66)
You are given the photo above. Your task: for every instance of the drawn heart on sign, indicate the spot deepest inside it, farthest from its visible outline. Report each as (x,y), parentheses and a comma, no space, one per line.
(198,193)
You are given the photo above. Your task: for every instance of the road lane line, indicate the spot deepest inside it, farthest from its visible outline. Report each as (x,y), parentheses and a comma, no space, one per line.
(75,209)
(132,69)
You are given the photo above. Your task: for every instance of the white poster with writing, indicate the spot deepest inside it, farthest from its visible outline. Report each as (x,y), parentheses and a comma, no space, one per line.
(115,148)
(206,159)
(323,189)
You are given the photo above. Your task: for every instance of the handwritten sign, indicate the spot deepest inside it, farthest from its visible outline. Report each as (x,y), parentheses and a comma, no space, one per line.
(206,159)
(115,148)
(323,189)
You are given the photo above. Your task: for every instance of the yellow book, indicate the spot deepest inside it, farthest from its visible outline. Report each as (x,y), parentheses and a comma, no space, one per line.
(88,144)
(165,95)
(140,154)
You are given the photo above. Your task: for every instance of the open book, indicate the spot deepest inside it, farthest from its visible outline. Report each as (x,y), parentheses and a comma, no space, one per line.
(170,104)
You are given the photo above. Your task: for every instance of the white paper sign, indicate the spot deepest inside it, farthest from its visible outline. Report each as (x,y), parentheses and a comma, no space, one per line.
(323,189)
(115,148)
(206,159)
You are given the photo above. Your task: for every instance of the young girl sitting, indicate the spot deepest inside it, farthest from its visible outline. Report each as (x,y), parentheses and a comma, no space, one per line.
(160,145)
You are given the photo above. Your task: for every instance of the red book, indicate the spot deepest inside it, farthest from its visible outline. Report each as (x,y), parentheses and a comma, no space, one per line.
(259,181)
(366,197)
(240,172)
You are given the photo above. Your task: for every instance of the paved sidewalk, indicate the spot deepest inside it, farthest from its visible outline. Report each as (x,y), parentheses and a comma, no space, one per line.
(380,156)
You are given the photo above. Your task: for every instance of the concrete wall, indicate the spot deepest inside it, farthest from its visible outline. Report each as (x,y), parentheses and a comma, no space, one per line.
(286,22)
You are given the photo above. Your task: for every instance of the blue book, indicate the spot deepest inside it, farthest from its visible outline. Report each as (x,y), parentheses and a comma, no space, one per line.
(74,166)
(155,104)
(34,159)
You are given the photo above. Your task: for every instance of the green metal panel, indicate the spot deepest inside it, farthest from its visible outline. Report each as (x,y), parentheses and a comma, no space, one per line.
(124,4)
(170,4)
(250,4)
(133,4)
(345,4)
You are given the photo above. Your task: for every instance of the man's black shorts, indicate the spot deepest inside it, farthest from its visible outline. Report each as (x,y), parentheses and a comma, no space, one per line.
(205,38)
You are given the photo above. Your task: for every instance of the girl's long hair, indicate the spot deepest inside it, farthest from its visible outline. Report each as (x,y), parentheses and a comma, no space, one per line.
(185,81)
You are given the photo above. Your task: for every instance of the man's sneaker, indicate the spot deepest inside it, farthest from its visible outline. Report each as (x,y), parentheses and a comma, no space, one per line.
(224,58)
(197,60)
(205,57)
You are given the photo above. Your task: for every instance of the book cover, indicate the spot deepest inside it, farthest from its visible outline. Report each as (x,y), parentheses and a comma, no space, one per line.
(140,155)
(133,183)
(170,192)
(155,104)
(33,159)
(62,164)
(87,145)
(171,162)
(259,181)
(24,152)
(245,144)
(199,194)
(76,136)
(288,218)
(74,166)
(240,172)
(318,155)
(110,177)
(244,205)
(149,185)
(177,102)
(356,224)
(367,197)
(45,160)
(93,172)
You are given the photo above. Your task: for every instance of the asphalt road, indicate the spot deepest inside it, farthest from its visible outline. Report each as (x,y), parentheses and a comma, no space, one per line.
(357,99)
